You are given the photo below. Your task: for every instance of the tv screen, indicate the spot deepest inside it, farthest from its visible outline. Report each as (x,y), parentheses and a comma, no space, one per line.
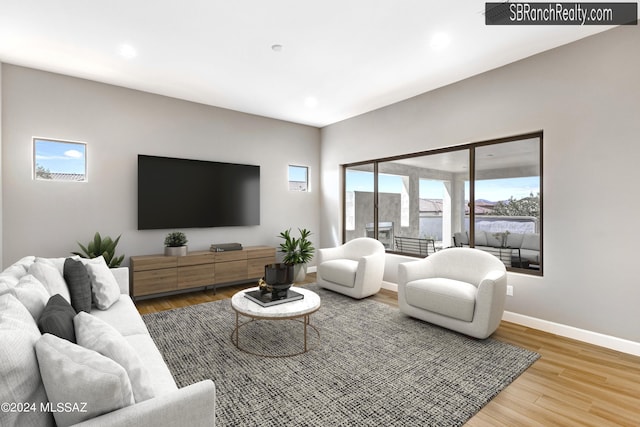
(183,193)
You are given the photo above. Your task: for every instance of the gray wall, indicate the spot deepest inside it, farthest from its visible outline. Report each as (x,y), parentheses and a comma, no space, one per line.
(48,218)
(585,97)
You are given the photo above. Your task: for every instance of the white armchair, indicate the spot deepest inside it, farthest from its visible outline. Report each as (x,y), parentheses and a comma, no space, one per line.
(354,269)
(462,289)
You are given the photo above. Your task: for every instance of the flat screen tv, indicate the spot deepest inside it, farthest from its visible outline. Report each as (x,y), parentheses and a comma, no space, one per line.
(183,193)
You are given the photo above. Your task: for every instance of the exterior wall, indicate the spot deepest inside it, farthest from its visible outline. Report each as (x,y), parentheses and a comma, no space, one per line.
(48,218)
(585,97)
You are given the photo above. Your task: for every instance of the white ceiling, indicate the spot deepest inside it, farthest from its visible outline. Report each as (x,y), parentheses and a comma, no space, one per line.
(352,56)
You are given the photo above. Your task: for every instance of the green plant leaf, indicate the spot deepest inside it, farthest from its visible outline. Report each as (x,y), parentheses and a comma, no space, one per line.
(296,250)
(85,250)
(104,246)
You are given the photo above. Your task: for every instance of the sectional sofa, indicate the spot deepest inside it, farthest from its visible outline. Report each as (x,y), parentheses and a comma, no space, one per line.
(514,249)
(113,376)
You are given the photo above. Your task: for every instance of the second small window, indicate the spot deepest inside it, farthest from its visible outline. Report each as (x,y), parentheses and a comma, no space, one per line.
(298,178)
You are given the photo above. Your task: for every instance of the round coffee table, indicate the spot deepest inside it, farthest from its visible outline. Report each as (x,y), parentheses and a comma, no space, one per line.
(299,310)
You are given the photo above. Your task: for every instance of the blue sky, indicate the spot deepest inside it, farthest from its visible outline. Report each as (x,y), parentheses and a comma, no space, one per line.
(493,190)
(61,157)
(297,173)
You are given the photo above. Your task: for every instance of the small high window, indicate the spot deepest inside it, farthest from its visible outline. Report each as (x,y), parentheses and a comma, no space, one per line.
(298,178)
(55,160)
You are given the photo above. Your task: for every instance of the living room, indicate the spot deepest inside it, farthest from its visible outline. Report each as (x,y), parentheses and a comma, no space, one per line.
(582,95)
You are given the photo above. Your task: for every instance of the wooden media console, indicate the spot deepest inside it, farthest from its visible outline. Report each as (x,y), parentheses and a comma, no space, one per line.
(157,274)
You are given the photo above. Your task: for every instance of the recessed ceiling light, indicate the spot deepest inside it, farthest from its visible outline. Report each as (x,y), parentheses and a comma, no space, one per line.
(311,101)
(276,47)
(127,51)
(440,41)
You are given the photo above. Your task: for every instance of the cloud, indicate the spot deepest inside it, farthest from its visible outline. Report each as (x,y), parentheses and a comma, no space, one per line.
(74,154)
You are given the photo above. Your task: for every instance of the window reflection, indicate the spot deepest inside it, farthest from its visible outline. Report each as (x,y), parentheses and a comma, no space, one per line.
(507,190)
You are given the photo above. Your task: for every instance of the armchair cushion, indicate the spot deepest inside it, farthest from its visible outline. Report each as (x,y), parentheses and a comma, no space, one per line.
(448,297)
(340,271)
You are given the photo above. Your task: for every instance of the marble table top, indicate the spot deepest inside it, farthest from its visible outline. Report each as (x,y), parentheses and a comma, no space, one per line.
(307,305)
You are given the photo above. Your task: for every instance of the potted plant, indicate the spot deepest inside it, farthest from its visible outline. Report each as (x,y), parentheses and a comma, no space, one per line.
(175,244)
(297,251)
(104,246)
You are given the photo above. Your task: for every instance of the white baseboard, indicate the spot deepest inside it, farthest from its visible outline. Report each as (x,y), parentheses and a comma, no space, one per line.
(390,286)
(595,338)
(312,269)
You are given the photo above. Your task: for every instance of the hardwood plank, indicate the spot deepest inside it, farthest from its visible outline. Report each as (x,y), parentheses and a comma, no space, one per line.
(572,384)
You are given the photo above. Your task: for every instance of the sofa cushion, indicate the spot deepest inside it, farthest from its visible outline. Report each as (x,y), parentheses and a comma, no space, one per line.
(75,375)
(30,292)
(25,262)
(97,335)
(495,240)
(58,263)
(461,238)
(514,240)
(104,287)
(50,277)
(57,318)
(448,297)
(79,284)
(340,271)
(123,316)
(20,380)
(162,381)
(480,238)
(8,279)
(15,271)
(531,241)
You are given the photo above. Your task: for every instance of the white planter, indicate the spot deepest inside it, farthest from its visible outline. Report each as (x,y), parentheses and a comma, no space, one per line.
(175,251)
(299,272)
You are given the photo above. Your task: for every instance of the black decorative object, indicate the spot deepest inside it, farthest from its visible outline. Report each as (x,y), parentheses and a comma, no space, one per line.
(278,279)
(266,299)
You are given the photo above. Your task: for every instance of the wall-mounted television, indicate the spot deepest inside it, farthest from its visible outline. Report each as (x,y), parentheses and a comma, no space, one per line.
(184,193)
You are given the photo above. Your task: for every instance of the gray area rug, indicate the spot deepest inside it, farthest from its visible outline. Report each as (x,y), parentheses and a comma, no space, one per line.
(372,366)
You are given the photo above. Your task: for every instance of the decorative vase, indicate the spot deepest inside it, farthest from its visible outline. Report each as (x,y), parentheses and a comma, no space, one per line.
(299,272)
(175,250)
(280,278)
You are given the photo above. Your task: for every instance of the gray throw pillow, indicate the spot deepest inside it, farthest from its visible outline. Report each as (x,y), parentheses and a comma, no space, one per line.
(79,284)
(57,319)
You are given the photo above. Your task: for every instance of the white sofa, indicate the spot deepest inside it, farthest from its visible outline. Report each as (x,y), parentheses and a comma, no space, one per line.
(21,384)
(521,249)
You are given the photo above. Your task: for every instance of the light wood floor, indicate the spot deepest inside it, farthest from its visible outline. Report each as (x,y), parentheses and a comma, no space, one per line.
(572,384)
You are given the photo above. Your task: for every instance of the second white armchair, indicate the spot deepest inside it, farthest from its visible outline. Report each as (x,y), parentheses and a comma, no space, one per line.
(461,289)
(354,269)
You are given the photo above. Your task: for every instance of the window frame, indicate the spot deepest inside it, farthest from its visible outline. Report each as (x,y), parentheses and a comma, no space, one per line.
(34,162)
(307,187)
(471,148)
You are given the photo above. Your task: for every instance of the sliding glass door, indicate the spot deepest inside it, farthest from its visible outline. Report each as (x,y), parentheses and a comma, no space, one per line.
(485,195)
